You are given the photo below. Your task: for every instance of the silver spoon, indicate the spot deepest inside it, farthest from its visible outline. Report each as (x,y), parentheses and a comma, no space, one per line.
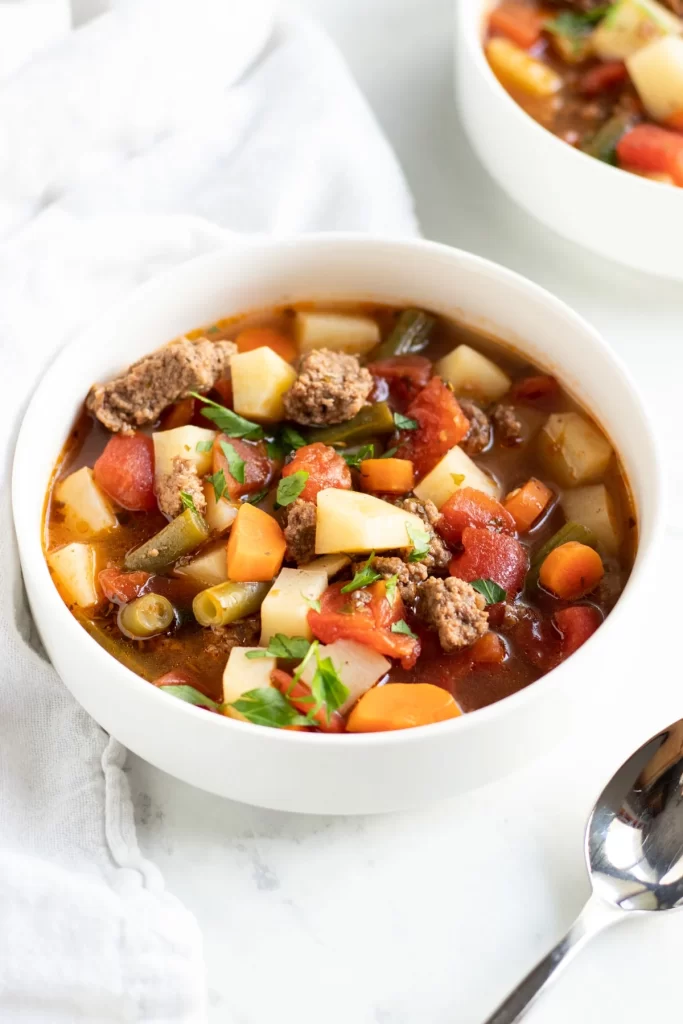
(634,853)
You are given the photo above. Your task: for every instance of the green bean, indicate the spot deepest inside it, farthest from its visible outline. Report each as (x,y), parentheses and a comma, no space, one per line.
(146,616)
(603,145)
(370,421)
(569,532)
(228,602)
(182,535)
(410,335)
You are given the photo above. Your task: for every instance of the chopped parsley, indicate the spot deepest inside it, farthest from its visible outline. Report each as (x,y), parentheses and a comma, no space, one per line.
(228,421)
(420,540)
(217,481)
(255,499)
(354,459)
(236,465)
(405,422)
(490,590)
(389,453)
(291,438)
(281,646)
(290,487)
(204,446)
(188,501)
(390,584)
(575,26)
(313,603)
(191,696)
(268,706)
(327,688)
(402,627)
(363,578)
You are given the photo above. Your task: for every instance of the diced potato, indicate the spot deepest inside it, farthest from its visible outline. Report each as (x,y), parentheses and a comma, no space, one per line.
(285,608)
(514,67)
(209,568)
(86,509)
(260,379)
(358,665)
(329,564)
(657,73)
(472,375)
(182,442)
(630,25)
(593,507)
(351,521)
(336,331)
(242,674)
(74,567)
(456,469)
(573,450)
(220,515)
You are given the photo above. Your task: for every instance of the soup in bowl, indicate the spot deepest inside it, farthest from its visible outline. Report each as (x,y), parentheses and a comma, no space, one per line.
(349,511)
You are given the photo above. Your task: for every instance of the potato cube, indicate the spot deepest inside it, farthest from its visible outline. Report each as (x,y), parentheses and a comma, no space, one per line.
(243,674)
(182,442)
(456,469)
(221,514)
(210,568)
(336,331)
(593,507)
(350,521)
(631,24)
(358,665)
(260,379)
(657,73)
(86,509)
(286,606)
(74,567)
(573,449)
(472,375)
(329,564)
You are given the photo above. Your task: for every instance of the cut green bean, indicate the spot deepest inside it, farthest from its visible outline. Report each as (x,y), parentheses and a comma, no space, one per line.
(603,145)
(228,602)
(146,616)
(369,422)
(185,533)
(410,335)
(569,532)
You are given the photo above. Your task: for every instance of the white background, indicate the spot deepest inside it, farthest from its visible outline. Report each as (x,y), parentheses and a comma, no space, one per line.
(431,916)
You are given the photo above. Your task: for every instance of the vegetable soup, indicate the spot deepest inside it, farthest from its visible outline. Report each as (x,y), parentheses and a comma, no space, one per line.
(346,519)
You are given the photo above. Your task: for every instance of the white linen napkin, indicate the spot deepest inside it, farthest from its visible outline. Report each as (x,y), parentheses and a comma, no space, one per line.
(128,147)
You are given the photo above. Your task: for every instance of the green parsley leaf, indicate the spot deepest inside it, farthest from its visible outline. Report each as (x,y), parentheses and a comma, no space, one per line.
(255,499)
(275,450)
(290,487)
(204,446)
(191,696)
(312,650)
(363,578)
(217,481)
(354,459)
(281,646)
(391,582)
(313,603)
(327,688)
(291,438)
(389,453)
(405,422)
(267,706)
(457,478)
(402,627)
(213,329)
(236,465)
(228,421)
(575,25)
(490,589)
(420,540)
(188,501)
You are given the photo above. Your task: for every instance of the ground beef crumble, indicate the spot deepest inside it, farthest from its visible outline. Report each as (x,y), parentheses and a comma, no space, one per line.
(409,574)
(300,531)
(331,387)
(183,477)
(439,556)
(508,427)
(454,609)
(478,437)
(141,394)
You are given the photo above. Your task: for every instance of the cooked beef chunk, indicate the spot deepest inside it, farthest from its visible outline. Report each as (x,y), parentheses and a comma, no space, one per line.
(508,426)
(300,531)
(410,574)
(141,394)
(331,388)
(244,633)
(439,556)
(455,610)
(478,437)
(183,477)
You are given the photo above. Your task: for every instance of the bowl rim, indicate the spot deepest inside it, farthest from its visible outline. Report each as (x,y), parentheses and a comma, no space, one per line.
(470,34)
(31,547)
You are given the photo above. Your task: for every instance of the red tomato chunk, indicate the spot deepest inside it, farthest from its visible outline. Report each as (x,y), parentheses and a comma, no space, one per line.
(405,376)
(492,556)
(441,425)
(324,466)
(299,695)
(121,587)
(125,471)
(576,624)
(258,468)
(469,507)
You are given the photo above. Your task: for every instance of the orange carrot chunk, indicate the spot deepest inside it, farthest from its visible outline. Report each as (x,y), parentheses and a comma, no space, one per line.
(266,337)
(520,23)
(256,547)
(572,570)
(401,706)
(387,476)
(489,649)
(527,503)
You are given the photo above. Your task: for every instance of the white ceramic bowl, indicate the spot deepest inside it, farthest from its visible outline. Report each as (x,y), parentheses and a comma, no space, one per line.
(309,772)
(620,215)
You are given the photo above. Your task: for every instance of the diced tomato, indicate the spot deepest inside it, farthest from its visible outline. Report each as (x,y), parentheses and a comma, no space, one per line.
(178,677)
(538,640)
(534,389)
(266,337)
(602,77)
(489,649)
(405,376)
(125,470)
(325,468)
(648,147)
(493,556)
(121,587)
(675,121)
(299,694)
(576,624)
(177,415)
(441,425)
(519,22)
(346,616)
(469,507)
(223,387)
(258,468)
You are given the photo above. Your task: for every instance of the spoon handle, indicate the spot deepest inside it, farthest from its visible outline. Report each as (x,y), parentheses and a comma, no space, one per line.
(593,918)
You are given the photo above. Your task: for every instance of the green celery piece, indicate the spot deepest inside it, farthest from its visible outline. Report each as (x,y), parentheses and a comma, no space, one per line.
(410,334)
(369,422)
(603,145)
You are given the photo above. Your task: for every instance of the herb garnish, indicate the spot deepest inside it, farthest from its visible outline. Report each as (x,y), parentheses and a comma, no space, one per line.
(575,25)
(354,459)
(364,577)
(313,603)
(236,465)
(188,501)
(327,687)
(204,446)
(390,585)
(290,487)
(292,438)
(490,590)
(254,499)
(228,421)
(191,696)
(267,706)
(402,627)
(405,422)
(389,453)
(281,646)
(421,540)
(217,481)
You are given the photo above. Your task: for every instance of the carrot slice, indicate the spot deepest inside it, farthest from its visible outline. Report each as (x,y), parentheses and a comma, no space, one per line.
(572,570)
(256,546)
(266,337)
(401,706)
(520,23)
(527,503)
(387,476)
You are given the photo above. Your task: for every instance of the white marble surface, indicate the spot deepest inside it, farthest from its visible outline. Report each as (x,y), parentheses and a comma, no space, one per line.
(430,916)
